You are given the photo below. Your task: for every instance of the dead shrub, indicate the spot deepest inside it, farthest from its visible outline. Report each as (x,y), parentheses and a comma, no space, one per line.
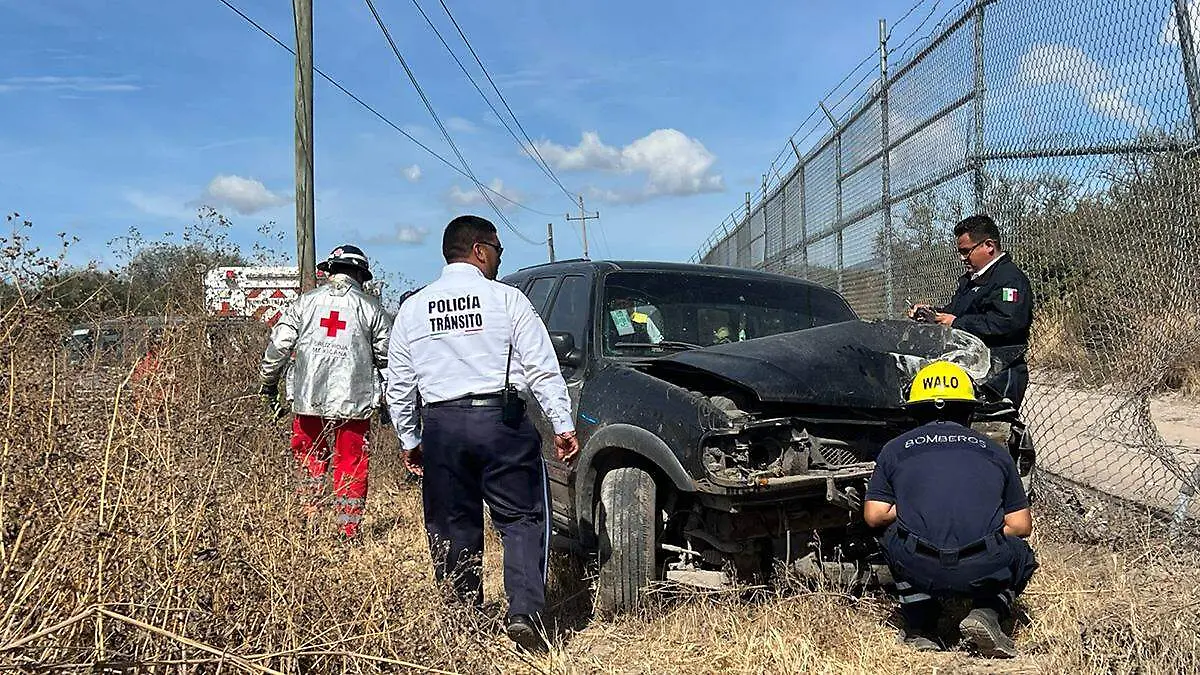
(157,533)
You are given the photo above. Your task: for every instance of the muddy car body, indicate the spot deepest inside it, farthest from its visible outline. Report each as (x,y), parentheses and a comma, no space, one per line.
(728,420)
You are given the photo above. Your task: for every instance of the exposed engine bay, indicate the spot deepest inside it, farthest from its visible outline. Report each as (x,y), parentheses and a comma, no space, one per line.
(785,479)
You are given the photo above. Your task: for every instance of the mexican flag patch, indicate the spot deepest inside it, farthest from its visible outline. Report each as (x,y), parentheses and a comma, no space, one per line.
(1009,295)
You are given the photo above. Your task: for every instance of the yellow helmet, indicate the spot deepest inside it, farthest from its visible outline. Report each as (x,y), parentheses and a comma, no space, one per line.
(939,382)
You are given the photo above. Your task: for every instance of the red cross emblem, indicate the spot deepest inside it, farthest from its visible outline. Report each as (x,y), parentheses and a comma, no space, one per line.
(332,324)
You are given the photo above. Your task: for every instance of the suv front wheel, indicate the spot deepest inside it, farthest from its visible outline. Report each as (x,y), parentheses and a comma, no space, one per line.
(627,525)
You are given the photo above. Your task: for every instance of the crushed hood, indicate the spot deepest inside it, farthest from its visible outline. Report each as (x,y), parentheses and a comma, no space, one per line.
(860,364)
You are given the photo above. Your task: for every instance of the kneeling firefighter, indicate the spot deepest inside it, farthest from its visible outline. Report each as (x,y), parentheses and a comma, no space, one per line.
(338,335)
(956,516)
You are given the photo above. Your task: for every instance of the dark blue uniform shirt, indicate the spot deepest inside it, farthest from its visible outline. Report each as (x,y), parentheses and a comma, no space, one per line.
(951,485)
(997,308)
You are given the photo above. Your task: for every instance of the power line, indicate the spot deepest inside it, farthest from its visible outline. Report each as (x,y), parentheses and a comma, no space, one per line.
(387,34)
(378,114)
(603,235)
(532,145)
(526,148)
(578,237)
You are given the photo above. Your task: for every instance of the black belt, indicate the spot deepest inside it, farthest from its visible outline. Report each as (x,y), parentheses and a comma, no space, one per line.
(471,401)
(926,549)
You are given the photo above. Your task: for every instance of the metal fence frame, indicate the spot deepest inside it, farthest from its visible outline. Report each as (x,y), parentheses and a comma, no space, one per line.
(742,239)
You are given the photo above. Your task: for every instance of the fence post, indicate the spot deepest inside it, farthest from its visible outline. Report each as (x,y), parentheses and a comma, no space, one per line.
(783,212)
(838,222)
(886,167)
(803,223)
(762,209)
(978,106)
(1187,47)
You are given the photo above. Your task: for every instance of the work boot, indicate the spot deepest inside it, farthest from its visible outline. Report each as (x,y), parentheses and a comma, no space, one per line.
(981,629)
(920,640)
(521,630)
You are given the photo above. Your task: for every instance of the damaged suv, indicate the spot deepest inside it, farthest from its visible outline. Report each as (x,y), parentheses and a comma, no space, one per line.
(728,420)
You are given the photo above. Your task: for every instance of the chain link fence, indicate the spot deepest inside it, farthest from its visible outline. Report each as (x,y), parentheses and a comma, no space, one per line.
(1076,127)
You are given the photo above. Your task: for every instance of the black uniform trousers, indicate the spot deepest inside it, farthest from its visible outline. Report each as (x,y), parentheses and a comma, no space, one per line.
(472,457)
(992,572)
(1011,383)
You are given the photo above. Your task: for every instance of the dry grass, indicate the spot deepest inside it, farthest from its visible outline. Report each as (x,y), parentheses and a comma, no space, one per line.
(152,524)
(1163,351)
(1184,375)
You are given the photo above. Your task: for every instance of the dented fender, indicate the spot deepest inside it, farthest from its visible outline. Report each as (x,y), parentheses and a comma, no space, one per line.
(629,438)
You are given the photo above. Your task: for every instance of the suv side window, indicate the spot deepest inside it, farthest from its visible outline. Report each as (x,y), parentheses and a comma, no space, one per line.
(571,309)
(538,292)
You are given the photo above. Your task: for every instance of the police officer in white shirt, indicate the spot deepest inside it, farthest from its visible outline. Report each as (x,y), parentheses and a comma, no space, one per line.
(467,344)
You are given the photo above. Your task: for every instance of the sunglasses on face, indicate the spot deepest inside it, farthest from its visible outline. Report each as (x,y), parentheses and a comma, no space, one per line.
(964,252)
(498,247)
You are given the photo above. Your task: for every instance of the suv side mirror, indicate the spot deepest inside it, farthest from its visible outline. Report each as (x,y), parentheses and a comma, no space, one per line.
(564,348)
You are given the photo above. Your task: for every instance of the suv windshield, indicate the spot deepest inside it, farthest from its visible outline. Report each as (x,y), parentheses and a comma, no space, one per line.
(651,313)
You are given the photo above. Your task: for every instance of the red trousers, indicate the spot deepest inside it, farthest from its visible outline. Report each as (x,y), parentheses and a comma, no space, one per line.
(317,442)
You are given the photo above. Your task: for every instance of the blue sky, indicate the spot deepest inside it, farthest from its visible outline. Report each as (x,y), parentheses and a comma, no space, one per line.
(130,113)
(127,113)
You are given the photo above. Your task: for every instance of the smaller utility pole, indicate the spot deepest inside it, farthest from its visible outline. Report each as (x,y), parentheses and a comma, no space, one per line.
(550,239)
(584,216)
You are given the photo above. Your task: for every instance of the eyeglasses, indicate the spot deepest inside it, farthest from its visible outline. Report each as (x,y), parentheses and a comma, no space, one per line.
(498,247)
(964,252)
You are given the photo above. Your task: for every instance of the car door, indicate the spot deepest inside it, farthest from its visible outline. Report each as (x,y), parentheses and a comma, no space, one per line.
(569,312)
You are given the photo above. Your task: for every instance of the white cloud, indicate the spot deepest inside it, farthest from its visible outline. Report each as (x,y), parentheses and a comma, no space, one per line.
(411,235)
(461,125)
(244,195)
(1170,28)
(407,235)
(411,173)
(1057,63)
(73,83)
(415,130)
(470,196)
(1071,67)
(1116,104)
(673,163)
(160,206)
(591,153)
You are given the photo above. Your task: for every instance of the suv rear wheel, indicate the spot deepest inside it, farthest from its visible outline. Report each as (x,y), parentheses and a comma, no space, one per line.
(627,525)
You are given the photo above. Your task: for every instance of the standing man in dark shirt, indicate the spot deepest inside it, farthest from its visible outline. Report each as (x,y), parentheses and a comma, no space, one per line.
(994,302)
(956,516)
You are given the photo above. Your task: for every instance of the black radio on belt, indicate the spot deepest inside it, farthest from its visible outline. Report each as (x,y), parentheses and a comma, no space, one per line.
(513,410)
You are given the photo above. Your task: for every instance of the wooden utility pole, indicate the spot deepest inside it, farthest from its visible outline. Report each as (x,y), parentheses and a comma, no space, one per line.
(584,216)
(550,239)
(305,217)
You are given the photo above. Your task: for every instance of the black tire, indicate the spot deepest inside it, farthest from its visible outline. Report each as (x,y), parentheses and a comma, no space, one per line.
(626,525)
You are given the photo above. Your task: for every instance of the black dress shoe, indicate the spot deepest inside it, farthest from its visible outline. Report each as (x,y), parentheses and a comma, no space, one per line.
(522,630)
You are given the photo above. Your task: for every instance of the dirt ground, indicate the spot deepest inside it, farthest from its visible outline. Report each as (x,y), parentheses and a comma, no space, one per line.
(1178,421)
(1143,451)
